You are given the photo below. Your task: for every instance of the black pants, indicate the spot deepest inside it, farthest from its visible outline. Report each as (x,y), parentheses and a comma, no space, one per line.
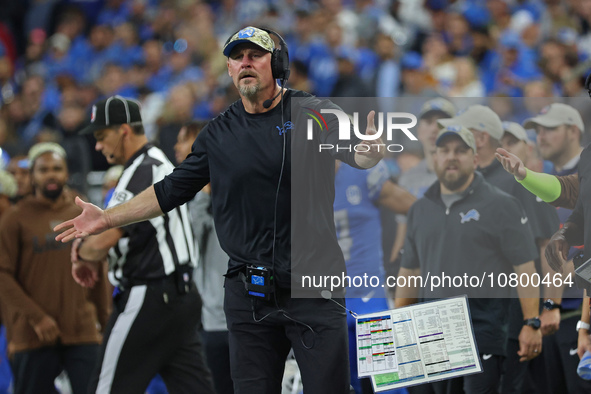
(260,341)
(217,350)
(35,370)
(515,377)
(450,386)
(558,372)
(489,381)
(153,329)
(486,382)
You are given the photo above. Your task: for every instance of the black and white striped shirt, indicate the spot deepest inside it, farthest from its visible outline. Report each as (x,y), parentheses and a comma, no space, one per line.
(149,249)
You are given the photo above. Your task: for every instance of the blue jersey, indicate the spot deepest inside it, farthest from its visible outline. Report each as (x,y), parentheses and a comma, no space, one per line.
(357,221)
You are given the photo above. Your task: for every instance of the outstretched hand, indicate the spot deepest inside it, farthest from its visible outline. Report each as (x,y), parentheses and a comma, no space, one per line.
(511,163)
(374,150)
(92,220)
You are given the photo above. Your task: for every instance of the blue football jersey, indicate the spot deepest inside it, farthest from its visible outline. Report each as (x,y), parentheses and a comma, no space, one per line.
(357,221)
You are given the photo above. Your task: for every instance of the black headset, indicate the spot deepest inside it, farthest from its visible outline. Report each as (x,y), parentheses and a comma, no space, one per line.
(279,57)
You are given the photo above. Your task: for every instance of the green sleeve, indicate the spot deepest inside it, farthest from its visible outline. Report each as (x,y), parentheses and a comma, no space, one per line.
(545,186)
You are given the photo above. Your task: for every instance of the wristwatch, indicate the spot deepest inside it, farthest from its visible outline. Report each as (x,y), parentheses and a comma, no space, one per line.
(549,305)
(534,323)
(583,325)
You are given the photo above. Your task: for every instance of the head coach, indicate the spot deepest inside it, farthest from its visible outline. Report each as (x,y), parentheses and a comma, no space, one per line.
(249,165)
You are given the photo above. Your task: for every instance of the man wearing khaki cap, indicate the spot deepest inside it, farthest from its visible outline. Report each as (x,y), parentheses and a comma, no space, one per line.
(418,178)
(461,205)
(561,124)
(559,128)
(488,131)
(486,126)
(515,140)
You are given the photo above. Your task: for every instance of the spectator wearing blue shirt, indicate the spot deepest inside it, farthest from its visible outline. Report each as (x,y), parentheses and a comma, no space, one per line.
(180,67)
(57,59)
(126,49)
(553,60)
(300,40)
(386,81)
(177,111)
(457,34)
(414,79)
(31,62)
(323,65)
(358,195)
(87,9)
(511,71)
(113,81)
(37,116)
(71,23)
(154,60)
(349,83)
(101,51)
(114,13)
(7,84)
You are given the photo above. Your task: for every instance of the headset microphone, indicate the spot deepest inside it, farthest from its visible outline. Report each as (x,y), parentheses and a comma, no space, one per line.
(267,103)
(112,155)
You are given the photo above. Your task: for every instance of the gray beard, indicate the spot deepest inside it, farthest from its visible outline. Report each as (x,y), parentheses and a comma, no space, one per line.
(249,91)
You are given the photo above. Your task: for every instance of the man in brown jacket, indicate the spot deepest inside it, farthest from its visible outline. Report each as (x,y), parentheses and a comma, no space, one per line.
(51,321)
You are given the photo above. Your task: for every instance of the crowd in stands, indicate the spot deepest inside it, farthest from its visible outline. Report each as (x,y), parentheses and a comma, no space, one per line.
(58,57)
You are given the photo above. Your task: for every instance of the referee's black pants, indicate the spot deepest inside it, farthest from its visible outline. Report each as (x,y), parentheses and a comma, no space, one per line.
(316,329)
(153,330)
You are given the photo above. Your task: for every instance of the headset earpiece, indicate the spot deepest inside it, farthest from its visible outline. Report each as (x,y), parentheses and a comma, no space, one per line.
(279,58)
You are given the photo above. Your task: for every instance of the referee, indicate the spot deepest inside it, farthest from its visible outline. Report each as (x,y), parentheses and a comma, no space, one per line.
(156,307)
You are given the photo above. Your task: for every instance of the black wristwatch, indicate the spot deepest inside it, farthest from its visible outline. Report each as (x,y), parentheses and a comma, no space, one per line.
(549,305)
(534,323)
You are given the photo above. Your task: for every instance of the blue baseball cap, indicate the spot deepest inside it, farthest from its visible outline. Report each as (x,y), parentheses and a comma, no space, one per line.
(510,40)
(411,61)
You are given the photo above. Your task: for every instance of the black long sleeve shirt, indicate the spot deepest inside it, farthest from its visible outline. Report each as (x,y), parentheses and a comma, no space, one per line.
(242,155)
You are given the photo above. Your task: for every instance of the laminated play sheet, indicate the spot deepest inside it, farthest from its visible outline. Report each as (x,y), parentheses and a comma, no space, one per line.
(417,344)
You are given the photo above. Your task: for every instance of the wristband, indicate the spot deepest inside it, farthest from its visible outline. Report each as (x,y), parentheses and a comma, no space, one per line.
(545,186)
(583,325)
